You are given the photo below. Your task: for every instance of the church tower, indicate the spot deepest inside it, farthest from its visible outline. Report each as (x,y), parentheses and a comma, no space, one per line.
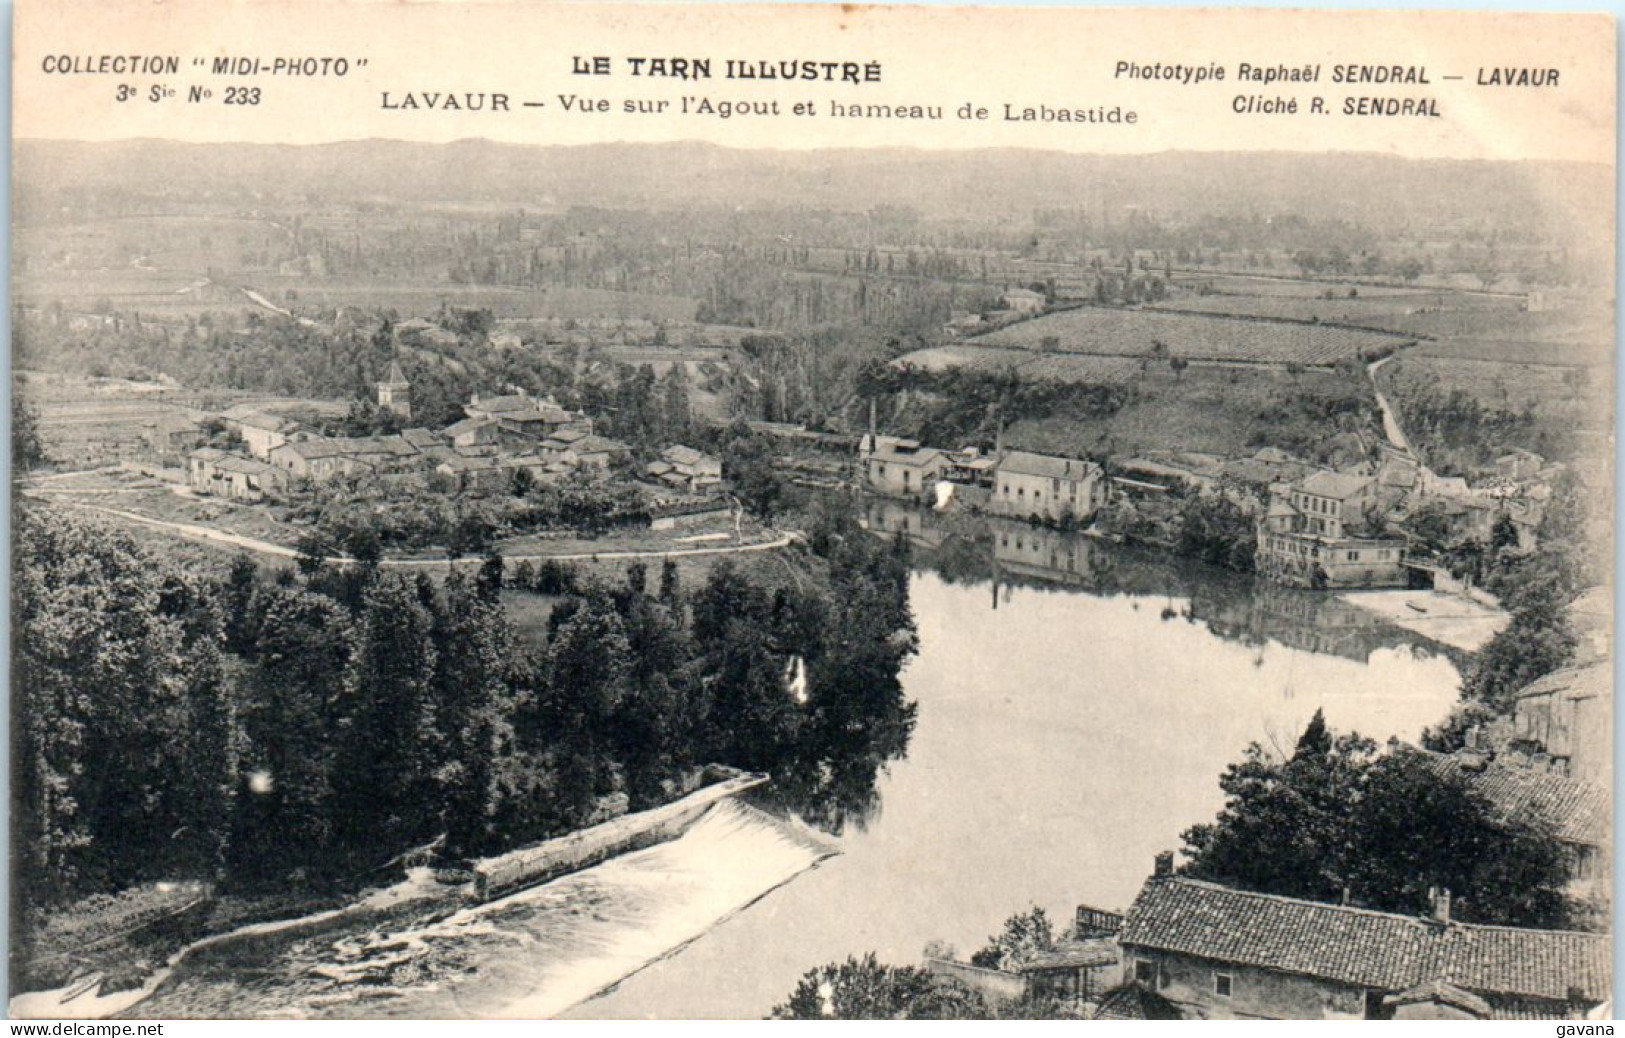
(395,393)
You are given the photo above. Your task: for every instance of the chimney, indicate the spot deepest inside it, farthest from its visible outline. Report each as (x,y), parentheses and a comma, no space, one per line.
(1440,896)
(1164,867)
(1471,739)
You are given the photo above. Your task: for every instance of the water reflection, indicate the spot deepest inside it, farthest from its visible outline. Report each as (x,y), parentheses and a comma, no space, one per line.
(1009,555)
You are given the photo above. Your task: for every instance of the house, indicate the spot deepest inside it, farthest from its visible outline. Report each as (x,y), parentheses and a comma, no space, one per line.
(317,458)
(1312,535)
(595,452)
(419,332)
(537,418)
(1576,814)
(1569,716)
(1519,464)
(172,434)
(1023,301)
(687,469)
(900,468)
(1060,489)
(475,472)
(223,474)
(473,432)
(423,439)
(1076,971)
(1218,953)
(261,432)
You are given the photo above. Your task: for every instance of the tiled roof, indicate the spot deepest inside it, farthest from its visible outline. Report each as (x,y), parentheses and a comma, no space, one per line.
(1133,1002)
(1362,948)
(1027,464)
(1438,991)
(1575,812)
(467,425)
(422,439)
(1074,954)
(499,404)
(315,448)
(681,455)
(1337,485)
(395,377)
(598,445)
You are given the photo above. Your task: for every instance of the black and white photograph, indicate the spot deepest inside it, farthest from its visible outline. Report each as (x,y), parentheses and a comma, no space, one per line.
(728,512)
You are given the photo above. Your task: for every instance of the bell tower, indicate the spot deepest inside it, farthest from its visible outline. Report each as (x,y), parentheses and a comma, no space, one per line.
(395,393)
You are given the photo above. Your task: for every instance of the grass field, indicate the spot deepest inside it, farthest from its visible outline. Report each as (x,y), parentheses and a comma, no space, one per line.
(1212,410)
(1134,333)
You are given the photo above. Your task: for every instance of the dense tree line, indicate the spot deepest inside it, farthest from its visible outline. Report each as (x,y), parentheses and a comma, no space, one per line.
(1340,820)
(299,731)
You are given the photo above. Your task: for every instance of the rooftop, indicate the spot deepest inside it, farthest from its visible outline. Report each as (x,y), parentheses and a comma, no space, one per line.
(1339,486)
(1575,812)
(1362,948)
(1028,464)
(1592,681)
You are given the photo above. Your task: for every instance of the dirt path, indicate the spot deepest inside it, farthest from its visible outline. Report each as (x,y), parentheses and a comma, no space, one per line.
(1390,420)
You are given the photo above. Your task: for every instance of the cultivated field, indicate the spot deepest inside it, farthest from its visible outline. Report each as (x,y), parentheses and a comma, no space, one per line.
(1135,333)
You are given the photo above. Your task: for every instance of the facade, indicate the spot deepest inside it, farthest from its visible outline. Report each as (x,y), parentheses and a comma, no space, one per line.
(222,474)
(1307,535)
(262,433)
(1569,715)
(901,468)
(317,458)
(1218,953)
(473,432)
(172,435)
(1057,489)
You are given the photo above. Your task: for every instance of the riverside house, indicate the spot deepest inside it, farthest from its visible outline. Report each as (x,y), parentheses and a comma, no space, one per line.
(1312,535)
(901,468)
(1057,489)
(1217,953)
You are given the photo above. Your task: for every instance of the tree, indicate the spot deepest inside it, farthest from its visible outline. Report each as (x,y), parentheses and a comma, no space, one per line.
(1026,936)
(385,747)
(1178,364)
(865,989)
(1415,828)
(1341,821)
(27,448)
(488,584)
(471,709)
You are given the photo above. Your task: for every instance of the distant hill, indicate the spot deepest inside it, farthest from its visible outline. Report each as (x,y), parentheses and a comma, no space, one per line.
(1382,192)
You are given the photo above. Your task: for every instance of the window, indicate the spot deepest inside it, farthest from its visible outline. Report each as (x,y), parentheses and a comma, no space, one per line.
(1056,487)
(1145,972)
(1221,984)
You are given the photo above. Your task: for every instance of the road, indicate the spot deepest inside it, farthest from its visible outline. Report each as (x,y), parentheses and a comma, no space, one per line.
(254,544)
(1390,421)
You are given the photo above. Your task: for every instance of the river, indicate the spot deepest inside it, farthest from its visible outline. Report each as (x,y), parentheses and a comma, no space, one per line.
(1076,705)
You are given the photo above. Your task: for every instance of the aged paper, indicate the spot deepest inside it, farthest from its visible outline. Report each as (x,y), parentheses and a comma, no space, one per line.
(619,511)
